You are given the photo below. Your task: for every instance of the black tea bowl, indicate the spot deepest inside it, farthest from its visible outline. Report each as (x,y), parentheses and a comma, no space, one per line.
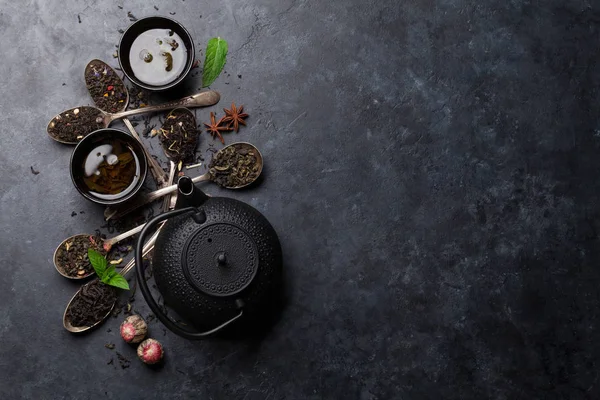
(146,24)
(108,158)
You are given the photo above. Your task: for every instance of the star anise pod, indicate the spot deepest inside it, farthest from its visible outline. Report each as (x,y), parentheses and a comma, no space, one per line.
(235,116)
(215,128)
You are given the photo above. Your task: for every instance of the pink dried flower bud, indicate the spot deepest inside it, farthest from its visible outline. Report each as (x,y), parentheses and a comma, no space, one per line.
(133,329)
(150,351)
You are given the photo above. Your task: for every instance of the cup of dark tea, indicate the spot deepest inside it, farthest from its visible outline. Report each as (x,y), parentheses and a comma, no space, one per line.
(108,166)
(156,53)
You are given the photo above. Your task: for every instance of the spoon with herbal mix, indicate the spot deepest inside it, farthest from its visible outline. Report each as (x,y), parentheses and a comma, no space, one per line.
(71,256)
(109,93)
(178,138)
(72,125)
(233,167)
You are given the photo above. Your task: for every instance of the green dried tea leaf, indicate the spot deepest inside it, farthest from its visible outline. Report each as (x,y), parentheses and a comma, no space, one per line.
(216,55)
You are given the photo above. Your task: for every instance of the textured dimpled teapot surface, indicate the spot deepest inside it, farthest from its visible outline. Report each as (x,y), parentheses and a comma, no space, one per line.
(200,305)
(220,259)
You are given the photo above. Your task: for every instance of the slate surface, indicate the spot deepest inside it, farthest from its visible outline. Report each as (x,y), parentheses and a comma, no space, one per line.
(431,168)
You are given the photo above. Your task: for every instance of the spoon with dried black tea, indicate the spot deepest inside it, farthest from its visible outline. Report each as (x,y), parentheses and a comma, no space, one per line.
(71,256)
(109,93)
(72,125)
(89,306)
(233,167)
(94,301)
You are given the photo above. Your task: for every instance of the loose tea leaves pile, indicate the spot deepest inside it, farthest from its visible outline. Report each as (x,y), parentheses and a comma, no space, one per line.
(105,87)
(236,165)
(91,304)
(138,97)
(72,255)
(179,135)
(73,125)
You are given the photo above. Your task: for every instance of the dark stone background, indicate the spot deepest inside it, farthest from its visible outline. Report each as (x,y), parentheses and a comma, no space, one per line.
(432,169)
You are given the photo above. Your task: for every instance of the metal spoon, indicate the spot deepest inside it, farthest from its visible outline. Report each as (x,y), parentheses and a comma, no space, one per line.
(100,67)
(106,244)
(142,199)
(77,329)
(103,119)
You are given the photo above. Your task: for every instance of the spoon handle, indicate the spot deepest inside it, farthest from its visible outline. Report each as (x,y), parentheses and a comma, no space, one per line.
(124,235)
(160,176)
(136,202)
(145,250)
(167,200)
(203,99)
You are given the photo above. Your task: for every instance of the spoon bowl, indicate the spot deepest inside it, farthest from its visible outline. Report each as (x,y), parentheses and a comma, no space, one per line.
(79,329)
(259,161)
(92,119)
(60,268)
(97,75)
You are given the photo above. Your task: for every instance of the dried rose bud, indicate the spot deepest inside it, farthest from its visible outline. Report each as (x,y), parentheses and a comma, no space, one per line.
(133,329)
(150,351)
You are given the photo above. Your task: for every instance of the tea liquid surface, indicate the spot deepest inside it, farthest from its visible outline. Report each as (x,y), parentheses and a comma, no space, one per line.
(111,171)
(158,56)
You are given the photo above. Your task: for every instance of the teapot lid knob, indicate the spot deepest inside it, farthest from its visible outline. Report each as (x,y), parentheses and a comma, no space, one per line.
(219,259)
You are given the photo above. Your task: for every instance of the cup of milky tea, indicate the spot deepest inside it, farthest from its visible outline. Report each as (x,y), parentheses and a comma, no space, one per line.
(156,53)
(108,166)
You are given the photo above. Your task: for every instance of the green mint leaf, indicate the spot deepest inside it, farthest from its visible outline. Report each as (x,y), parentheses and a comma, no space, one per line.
(214,61)
(98,262)
(110,272)
(118,281)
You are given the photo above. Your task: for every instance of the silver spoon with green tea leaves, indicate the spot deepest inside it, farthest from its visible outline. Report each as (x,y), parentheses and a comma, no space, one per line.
(72,125)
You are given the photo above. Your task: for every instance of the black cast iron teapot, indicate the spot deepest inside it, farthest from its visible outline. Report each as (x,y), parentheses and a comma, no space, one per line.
(216,261)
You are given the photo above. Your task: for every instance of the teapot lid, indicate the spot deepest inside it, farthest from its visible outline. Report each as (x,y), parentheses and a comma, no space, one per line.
(220,259)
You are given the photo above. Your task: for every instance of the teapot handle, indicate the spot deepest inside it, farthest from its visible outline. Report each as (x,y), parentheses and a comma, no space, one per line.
(176,328)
